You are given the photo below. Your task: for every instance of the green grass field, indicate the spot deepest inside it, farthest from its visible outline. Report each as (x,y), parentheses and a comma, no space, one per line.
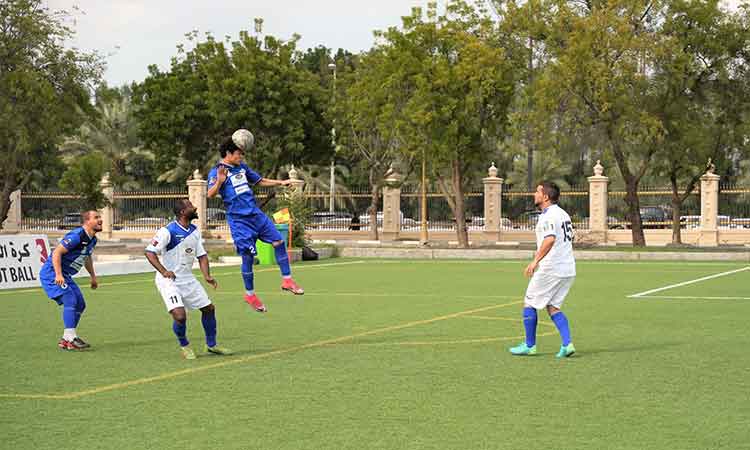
(389,355)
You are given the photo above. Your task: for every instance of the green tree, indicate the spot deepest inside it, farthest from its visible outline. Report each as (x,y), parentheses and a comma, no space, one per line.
(451,84)
(112,131)
(367,130)
(602,53)
(83,176)
(44,87)
(217,87)
(701,95)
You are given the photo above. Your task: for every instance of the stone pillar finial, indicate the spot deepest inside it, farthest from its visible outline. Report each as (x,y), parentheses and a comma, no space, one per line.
(492,171)
(197,175)
(293,173)
(392,176)
(598,168)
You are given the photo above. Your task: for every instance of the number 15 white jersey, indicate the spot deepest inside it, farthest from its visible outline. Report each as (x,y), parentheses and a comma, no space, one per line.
(559,262)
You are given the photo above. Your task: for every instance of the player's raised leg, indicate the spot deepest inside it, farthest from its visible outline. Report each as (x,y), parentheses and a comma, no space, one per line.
(282,259)
(248,278)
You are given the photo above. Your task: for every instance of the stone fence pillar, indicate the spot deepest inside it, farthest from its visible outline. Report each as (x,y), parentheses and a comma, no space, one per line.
(708,234)
(598,225)
(296,184)
(12,223)
(108,211)
(197,190)
(493,194)
(391,206)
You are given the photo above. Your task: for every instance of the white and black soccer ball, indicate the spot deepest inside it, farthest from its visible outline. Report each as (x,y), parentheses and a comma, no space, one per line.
(243,139)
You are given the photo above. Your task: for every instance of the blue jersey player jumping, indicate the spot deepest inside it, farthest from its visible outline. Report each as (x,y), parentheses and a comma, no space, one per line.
(72,253)
(233,180)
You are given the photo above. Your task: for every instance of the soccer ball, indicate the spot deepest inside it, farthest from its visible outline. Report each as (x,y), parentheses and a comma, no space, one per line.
(243,139)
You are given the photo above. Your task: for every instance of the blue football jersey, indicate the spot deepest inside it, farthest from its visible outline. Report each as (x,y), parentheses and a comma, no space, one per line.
(79,245)
(236,191)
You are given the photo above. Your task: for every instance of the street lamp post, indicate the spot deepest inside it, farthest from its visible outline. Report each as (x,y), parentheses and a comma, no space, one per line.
(332,66)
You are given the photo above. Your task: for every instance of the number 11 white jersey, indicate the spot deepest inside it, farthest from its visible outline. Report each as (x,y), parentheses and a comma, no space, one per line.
(559,262)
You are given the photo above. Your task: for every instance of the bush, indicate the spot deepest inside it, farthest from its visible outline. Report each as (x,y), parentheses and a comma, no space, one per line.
(301,214)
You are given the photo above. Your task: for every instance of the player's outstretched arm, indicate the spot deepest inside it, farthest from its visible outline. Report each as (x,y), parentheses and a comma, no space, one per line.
(267,182)
(154,261)
(206,270)
(89,264)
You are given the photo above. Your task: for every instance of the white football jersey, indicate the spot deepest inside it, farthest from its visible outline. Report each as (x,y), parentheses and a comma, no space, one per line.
(554,221)
(178,247)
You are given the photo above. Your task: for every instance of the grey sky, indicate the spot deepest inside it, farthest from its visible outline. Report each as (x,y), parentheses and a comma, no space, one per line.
(147,31)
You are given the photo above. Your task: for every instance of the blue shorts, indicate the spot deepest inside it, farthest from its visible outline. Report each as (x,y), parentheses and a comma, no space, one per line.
(55,292)
(247,229)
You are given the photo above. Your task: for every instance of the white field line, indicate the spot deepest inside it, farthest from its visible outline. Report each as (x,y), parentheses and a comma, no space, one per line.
(685,283)
(691,297)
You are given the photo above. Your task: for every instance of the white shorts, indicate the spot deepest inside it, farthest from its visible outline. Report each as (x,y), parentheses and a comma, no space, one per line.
(189,295)
(547,290)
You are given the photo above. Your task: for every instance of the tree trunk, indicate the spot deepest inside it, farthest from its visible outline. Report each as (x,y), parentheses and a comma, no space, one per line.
(631,187)
(676,212)
(459,212)
(634,213)
(372,210)
(8,187)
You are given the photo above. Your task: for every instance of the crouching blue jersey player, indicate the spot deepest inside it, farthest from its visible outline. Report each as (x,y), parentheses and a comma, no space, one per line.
(72,253)
(233,180)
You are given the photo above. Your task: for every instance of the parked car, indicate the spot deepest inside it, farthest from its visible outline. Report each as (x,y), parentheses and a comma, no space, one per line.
(690,222)
(321,217)
(326,220)
(70,221)
(655,217)
(527,220)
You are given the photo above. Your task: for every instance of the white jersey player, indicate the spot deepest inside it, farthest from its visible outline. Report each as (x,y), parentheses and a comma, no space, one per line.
(179,244)
(552,271)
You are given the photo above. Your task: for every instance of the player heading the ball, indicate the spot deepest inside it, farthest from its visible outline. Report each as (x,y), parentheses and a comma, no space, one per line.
(233,180)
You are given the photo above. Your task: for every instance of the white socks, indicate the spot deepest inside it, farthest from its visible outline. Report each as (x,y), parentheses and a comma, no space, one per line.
(69,334)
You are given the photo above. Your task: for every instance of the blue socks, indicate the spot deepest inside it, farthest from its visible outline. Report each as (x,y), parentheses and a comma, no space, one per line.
(209,326)
(247,272)
(180,330)
(282,259)
(70,314)
(80,307)
(561,322)
(529,324)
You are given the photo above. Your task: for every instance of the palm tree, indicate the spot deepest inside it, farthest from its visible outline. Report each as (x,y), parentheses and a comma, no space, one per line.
(112,131)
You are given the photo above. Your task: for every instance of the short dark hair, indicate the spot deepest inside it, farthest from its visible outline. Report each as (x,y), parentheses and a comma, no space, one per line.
(179,205)
(551,190)
(228,146)
(85,215)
